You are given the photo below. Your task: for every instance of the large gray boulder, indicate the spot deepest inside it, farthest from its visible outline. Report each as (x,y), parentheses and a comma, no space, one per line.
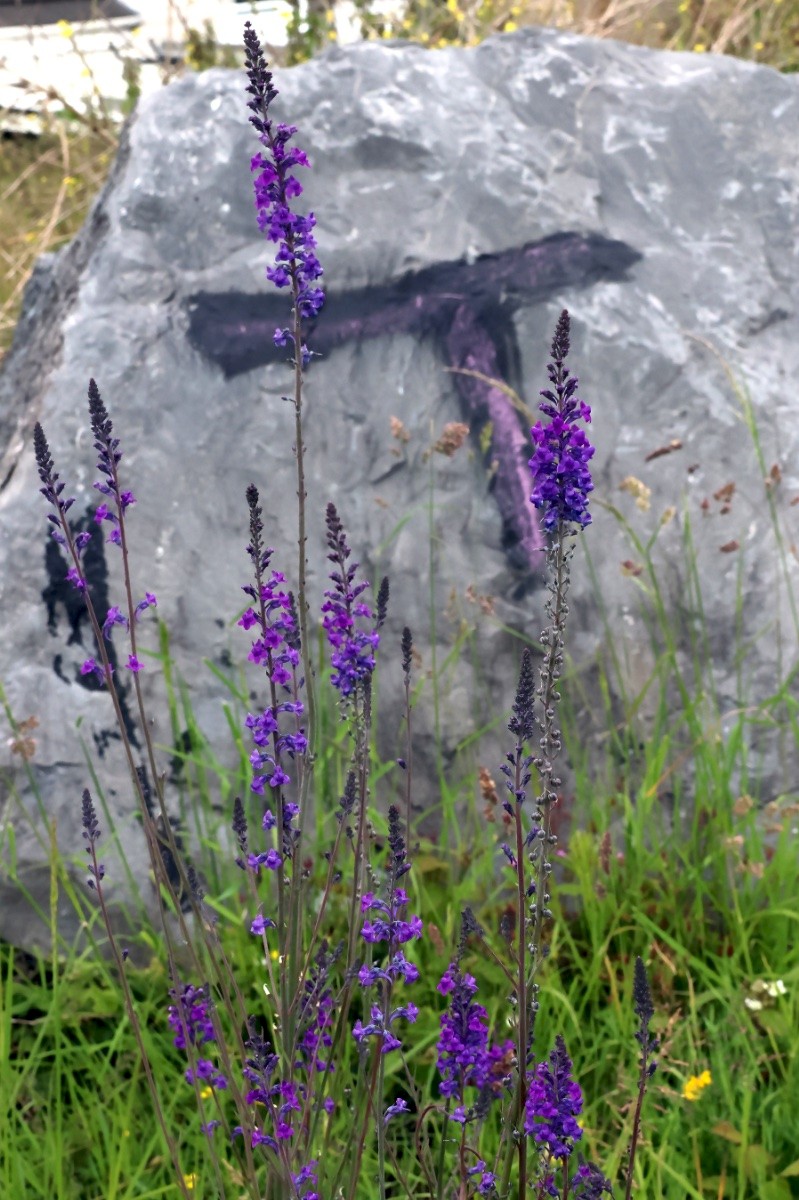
(463,197)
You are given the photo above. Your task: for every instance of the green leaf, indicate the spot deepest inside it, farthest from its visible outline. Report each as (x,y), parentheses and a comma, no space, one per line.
(775,1022)
(776,1189)
(756,1159)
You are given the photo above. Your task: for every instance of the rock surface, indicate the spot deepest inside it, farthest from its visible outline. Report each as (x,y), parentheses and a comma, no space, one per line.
(463,197)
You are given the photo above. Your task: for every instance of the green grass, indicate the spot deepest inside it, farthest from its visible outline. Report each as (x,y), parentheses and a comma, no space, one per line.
(710,916)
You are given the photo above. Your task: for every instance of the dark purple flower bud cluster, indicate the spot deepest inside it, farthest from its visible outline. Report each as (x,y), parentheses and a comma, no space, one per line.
(108,459)
(644,1010)
(296,264)
(190,1017)
(554,1101)
(589,1183)
(353,647)
(275,649)
(561,477)
(52,491)
(516,768)
(74,543)
(465,1058)
(91,835)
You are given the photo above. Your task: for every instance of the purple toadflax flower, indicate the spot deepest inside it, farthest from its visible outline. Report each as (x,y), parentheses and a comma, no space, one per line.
(52,490)
(561,478)
(275,649)
(190,1017)
(487,1183)
(352,647)
(276,1103)
(554,1102)
(392,927)
(465,1058)
(75,544)
(296,264)
(316,1013)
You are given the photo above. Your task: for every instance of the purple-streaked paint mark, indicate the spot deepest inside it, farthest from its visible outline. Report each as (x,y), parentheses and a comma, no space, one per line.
(470,345)
(468,307)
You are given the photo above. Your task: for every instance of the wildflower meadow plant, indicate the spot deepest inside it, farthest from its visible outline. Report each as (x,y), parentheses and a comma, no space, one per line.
(321,1084)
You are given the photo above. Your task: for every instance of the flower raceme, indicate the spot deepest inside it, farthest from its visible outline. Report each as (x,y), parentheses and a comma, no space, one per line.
(352,647)
(74,544)
(464,1056)
(561,477)
(274,648)
(395,929)
(190,1018)
(296,264)
(554,1102)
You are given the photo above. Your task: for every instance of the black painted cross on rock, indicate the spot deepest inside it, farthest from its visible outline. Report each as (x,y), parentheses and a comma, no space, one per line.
(468,307)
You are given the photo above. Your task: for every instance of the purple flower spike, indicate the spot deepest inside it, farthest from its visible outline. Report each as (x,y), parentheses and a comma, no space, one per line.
(108,453)
(296,264)
(191,1015)
(554,1101)
(352,647)
(561,478)
(464,1056)
(275,647)
(60,531)
(91,835)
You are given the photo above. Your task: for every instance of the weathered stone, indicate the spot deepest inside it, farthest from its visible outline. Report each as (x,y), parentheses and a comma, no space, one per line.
(463,198)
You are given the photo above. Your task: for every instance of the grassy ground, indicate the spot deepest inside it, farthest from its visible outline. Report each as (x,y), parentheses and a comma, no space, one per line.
(711,902)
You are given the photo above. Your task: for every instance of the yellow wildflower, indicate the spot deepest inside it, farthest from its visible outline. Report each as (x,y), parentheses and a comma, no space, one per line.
(696,1084)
